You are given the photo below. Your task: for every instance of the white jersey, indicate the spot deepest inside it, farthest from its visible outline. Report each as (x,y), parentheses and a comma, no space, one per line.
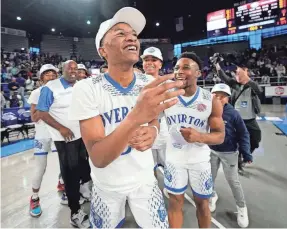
(41,131)
(160,141)
(101,95)
(188,112)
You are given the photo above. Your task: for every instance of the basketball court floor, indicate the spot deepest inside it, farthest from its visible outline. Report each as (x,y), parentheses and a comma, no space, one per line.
(264,183)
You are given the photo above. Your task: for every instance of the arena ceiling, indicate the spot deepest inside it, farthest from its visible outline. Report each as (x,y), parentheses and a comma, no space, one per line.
(69,17)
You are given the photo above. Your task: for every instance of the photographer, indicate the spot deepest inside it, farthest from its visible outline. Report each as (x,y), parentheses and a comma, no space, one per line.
(244,98)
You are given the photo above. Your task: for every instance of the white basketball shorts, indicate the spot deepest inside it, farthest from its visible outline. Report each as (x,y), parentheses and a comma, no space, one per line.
(177,177)
(158,157)
(43,146)
(146,203)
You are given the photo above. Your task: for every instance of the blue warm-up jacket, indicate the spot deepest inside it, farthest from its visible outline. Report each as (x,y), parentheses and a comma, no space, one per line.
(236,134)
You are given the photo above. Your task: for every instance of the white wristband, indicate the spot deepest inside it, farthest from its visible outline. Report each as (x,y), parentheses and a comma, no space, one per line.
(156,129)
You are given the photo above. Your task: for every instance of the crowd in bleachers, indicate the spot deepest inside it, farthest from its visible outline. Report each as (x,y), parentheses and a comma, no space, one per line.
(20,70)
(266,65)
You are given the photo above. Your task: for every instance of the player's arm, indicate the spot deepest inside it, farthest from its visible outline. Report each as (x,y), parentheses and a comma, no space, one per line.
(34,113)
(104,149)
(216,124)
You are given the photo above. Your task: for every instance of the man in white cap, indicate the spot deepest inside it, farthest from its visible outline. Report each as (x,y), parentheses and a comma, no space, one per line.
(43,141)
(54,103)
(152,63)
(82,72)
(118,114)
(236,138)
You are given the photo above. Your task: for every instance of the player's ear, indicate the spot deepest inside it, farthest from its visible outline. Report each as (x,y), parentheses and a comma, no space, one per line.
(103,52)
(198,73)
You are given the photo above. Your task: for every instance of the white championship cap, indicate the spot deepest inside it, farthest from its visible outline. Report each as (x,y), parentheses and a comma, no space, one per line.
(152,51)
(128,15)
(221,87)
(47,67)
(82,67)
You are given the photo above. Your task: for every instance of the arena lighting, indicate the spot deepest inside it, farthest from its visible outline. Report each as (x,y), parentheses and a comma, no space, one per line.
(157,24)
(19,18)
(53,30)
(88,22)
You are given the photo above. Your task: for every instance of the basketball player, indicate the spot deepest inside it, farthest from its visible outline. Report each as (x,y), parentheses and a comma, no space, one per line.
(53,106)
(152,63)
(118,114)
(43,141)
(187,153)
(82,72)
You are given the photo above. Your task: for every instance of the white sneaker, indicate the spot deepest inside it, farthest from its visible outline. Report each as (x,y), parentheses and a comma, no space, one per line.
(165,193)
(212,202)
(64,199)
(85,191)
(242,217)
(80,219)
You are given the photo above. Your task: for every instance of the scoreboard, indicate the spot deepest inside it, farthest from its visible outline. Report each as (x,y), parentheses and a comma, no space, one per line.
(248,17)
(261,13)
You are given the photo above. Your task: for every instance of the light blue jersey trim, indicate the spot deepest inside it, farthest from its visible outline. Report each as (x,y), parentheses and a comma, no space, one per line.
(118,86)
(46,99)
(186,104)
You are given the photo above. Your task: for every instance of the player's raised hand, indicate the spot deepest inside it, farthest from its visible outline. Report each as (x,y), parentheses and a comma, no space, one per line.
(150,101)
(190,135)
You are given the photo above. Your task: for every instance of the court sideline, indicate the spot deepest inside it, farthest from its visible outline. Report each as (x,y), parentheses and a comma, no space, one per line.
(264,183)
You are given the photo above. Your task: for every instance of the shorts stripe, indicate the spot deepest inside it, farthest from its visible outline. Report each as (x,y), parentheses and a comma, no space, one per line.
(41,153)
(54,151)
(175,190)
(121,223)
(201,195)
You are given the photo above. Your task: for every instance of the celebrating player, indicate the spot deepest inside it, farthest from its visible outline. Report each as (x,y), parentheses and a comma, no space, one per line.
(118,114)
(187,153)
(43,142)
(152,63)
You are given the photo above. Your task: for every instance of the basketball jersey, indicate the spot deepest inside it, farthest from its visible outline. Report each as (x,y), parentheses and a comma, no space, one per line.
(190,112)
(101,95)
(41,131)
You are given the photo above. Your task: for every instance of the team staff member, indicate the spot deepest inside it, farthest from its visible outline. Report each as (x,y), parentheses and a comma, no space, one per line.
(152,63)
(236,138)
(245,100)
(53,106)
(187,151)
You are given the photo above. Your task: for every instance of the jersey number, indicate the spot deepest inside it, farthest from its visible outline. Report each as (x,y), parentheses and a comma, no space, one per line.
(127,151)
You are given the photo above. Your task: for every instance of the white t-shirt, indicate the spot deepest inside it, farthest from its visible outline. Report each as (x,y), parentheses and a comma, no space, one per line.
(41,131)
(188,112)
(101,95)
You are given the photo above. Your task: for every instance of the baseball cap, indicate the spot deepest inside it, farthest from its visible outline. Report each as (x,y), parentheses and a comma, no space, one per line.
(128,15)
(83,67)
(221,87)
(47,67)
(152,51)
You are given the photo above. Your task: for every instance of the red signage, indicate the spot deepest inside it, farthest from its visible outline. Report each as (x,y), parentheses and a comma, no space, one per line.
(279,90)
(217,15)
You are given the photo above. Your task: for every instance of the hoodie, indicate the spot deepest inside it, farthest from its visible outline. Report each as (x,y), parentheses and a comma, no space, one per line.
(236,134)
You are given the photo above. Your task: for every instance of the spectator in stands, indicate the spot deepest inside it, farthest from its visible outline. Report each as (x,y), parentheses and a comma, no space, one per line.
(13,86)
(3,102)
(15,100)
(29,84)
(245,99)
(104,68)
(82,72)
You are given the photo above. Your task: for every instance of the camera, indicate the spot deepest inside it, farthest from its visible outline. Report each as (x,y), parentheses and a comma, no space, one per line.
(216,58)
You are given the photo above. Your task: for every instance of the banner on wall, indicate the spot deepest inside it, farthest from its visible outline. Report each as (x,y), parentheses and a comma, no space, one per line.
(276,91)
(15,32)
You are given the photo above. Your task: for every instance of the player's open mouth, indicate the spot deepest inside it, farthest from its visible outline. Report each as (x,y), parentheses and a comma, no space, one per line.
(131,48)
